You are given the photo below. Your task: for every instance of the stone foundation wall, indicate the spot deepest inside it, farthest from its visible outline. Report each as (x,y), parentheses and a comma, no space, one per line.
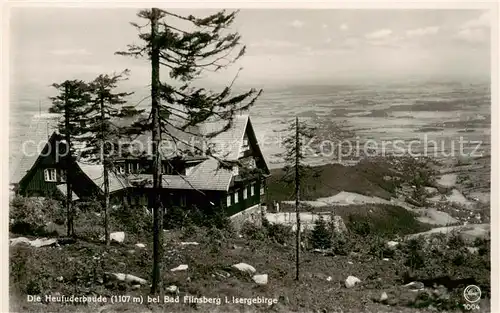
(252,214)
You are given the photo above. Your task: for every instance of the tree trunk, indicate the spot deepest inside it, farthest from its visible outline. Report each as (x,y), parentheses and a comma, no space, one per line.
(104,161)
(297,198)
(156,133)
(67,165)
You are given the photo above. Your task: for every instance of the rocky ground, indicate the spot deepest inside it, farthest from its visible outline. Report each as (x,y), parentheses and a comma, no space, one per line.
(363,270)
(354,281)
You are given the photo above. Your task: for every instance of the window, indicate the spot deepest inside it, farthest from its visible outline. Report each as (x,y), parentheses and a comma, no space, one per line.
(62,176)
(143,200)
(183,201)
(120,167)
(50,174)
(262,188)
(252,190)
(245,193)
(236,197)
(131,168)
(167,169)
(228,200)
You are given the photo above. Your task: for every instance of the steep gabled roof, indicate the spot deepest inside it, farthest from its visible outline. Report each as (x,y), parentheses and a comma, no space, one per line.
(96,173)
(226,145)
(205,176)
(41,128)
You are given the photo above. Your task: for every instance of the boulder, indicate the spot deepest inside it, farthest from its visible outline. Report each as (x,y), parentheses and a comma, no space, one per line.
(415,285)
(431,190)
(260,279)
(181,267)
(37,243)
(473,250)
(16,241)
(383,297)
(392,244)
(127,278)
(245,268)
(118,236)
(189,243)
(351,281)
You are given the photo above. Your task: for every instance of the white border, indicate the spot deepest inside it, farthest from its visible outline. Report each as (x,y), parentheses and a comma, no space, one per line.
(289,4)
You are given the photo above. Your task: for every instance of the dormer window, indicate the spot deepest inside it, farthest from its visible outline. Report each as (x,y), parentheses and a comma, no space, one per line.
(167,169)
(131,168)
(120,168)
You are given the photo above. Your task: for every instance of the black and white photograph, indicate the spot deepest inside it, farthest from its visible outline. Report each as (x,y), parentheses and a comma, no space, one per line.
(250,159)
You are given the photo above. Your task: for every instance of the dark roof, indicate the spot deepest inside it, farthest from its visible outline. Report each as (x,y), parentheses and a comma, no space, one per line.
(204,176)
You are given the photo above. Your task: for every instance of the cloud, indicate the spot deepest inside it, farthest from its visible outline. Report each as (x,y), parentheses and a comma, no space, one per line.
(379,34)
(419,32)
(344,27)
(267,43)
(483,21)
(324,26)
(383,38)
(472,35)
(476,30)
(297,24)
(65,52)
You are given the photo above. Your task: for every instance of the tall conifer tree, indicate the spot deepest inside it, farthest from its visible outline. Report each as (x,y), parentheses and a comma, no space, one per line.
(71,102)
(185,53)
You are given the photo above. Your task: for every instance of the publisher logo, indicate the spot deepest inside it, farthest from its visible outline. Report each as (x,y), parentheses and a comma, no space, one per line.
(472,293)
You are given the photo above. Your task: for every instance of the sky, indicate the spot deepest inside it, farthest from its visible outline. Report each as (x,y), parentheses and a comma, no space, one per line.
(328,46)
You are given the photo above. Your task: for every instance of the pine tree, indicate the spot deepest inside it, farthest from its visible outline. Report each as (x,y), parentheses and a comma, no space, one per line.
(102,134)
(205,45)
(72,102)
(295,170)
(321,236)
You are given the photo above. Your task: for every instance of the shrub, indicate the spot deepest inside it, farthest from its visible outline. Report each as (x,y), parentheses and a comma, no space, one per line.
(32,215)
(133,220)
(320,235)
(414,250)
(278,232)
(176,217)
(209,217)
(359,227)
(254,231)
(340,245)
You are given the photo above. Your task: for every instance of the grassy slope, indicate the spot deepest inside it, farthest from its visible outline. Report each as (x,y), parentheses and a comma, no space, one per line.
(365,178)
(34,271)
